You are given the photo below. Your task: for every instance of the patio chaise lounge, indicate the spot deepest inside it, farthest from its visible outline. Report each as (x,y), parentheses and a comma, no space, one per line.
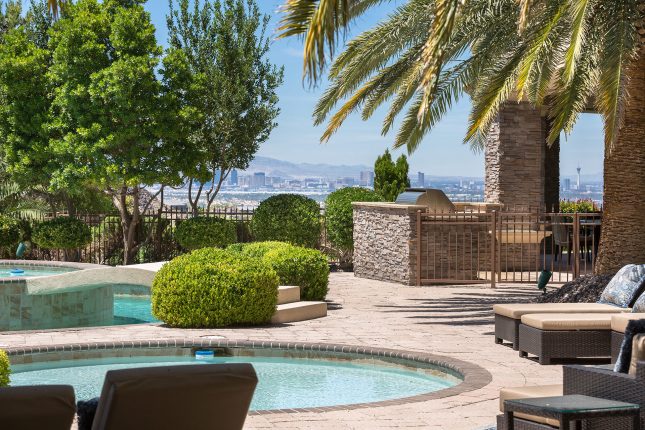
(202,396)
(619,295)
(37,407)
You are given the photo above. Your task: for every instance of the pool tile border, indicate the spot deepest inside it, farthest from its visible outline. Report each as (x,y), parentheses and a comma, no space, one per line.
(474,376)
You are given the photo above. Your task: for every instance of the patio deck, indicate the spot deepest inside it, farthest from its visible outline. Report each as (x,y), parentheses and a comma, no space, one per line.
(453,321)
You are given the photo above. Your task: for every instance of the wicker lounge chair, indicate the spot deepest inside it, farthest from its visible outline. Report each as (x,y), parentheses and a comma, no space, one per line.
(508,316)
(176,397)
(38,407)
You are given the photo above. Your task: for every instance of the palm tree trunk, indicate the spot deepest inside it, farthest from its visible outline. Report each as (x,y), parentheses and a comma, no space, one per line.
(622,238)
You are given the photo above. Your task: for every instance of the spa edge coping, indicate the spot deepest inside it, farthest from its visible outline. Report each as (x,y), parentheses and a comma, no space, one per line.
(86,275)
(472,375)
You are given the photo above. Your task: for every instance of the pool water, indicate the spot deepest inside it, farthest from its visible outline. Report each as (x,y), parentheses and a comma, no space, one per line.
(5,271)
(284,383)
(132,310)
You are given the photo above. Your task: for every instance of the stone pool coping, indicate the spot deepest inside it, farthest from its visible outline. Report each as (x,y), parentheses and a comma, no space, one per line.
(474,376)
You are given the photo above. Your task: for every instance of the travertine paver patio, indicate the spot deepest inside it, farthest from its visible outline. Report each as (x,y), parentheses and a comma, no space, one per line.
(454,321)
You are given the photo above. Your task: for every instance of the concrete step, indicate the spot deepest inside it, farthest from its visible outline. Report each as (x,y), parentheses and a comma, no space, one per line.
(288,294)
(299,311)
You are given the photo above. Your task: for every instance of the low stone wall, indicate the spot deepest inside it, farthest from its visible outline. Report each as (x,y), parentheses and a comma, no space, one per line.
(383,241)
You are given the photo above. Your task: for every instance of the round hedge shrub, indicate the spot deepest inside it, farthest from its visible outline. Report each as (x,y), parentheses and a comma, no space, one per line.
(9,231)
(212,287)
(288,218)
(5,369)
(204,232)
(339,215)
(61,233)
(295,265)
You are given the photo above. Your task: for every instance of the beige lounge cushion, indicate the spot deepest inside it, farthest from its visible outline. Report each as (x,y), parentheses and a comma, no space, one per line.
(638,352)
(530,393)
(516,310)
(619,322)
(568,321)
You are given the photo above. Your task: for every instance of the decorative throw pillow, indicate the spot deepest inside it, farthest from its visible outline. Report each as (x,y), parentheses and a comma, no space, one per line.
(634,328)
(625,287)
(639,305)
(638,353)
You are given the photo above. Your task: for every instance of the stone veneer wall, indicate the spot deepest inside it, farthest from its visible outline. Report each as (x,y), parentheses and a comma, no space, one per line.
(521,171)
(383,245)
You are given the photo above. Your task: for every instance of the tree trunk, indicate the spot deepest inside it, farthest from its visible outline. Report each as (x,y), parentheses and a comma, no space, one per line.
(622,239)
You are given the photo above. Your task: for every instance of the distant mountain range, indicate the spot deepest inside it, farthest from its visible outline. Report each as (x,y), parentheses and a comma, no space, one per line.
(287,169)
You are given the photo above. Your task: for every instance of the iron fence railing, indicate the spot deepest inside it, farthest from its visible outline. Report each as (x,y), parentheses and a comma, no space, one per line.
(504,246)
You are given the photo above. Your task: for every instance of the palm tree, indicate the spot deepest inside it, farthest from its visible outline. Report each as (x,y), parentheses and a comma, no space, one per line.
(55,6)
(563,56)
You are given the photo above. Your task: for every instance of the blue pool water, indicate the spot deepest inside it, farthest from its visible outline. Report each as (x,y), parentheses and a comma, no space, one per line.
(132,310)
(284,383)
(6,271)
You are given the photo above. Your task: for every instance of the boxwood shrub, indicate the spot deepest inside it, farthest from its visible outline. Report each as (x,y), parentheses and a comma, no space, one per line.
(61,233)
(295,265)
(9,232)
(288,218)
(212,287)
(5,369)
(205,232)
(339,215)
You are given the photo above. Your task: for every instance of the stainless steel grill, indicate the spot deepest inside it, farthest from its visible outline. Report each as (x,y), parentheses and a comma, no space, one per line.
(435,200)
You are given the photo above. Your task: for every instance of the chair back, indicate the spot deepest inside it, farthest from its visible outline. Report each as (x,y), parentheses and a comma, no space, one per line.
(37,407)
(202,396)
(560,231)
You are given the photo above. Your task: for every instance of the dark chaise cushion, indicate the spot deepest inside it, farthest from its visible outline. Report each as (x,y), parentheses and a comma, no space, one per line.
(634,327)
(625,287)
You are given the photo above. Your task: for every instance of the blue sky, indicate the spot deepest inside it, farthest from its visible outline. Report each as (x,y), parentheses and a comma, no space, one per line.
(360,142)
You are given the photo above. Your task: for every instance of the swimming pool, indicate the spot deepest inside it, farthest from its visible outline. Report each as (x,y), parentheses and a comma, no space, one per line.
(132,310)
(285,382)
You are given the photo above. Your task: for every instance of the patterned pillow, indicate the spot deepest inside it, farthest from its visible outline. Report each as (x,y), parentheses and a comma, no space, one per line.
(625,287)
(639,305)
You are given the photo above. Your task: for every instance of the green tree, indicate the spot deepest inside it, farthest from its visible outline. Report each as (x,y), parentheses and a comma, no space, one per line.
(111,113)
(233,91)
(391,178)
(560,55)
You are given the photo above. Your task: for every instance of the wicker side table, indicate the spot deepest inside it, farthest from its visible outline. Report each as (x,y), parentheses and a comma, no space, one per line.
(572,408)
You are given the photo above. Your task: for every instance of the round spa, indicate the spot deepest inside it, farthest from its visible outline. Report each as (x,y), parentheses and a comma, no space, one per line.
(292,376)
(46,295)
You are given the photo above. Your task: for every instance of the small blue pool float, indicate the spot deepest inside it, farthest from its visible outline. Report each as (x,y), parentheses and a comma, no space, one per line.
(204,355)
(16,272)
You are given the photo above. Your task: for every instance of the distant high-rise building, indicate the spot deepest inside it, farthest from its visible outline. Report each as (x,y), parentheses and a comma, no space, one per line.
(367,178)
(233,177)
(349,181)
(566,186)
(421,179)
(259,180)
(578,184)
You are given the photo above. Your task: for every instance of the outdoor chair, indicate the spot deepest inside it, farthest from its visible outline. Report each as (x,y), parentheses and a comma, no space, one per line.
(37,407)
(202,396)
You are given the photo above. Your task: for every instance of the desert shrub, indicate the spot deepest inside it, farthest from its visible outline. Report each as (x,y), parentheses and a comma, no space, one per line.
(9,232)
(339,215)
(212,287)
(204,232)
(288,218)
(61,233)
(295,265)
(579,206)
(5,369)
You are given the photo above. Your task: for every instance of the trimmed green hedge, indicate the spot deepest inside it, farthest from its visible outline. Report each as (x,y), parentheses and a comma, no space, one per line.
(288,218)
(295,265)
(5,369)
(212,287)
(61,233)
(9,232)
(204,232)
(339,215)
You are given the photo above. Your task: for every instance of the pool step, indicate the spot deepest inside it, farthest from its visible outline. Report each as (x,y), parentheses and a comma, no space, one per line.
(288,294)
(299,311)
